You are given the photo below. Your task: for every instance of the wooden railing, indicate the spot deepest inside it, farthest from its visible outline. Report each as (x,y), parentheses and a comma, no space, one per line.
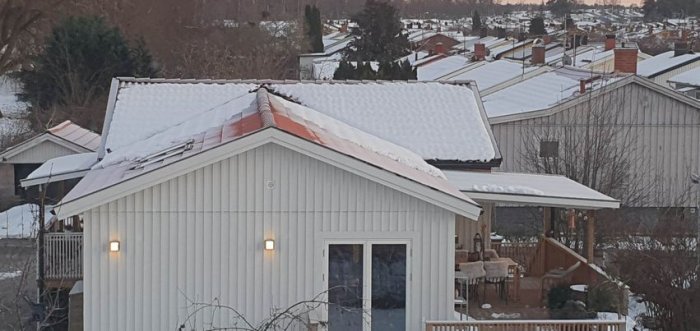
(526,325)
(63,256)
(520,252)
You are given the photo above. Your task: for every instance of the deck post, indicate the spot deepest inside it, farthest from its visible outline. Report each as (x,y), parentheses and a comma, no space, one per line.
(547,221)
(590,235)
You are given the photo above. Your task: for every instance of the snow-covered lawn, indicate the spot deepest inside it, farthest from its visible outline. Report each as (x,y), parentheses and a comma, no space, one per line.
(11,274)
(20,221)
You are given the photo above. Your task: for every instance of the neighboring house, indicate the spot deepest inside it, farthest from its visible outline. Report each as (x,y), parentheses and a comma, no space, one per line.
(687,83)
(661,128)
(662,67)
(20,160)
(194,202)
(333,45)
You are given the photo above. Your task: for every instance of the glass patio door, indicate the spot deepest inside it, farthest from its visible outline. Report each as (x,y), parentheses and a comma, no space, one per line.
(367,286)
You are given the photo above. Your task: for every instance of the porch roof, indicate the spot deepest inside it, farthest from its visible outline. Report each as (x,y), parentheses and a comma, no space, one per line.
(529,189)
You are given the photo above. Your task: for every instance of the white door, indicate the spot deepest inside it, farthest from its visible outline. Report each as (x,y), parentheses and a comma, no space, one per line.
(367,285)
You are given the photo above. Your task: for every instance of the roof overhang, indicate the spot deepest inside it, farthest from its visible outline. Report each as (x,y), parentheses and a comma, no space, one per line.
(529,189)
(53,178)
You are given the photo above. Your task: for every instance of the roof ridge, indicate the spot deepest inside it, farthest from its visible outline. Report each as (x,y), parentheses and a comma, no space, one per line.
(264,107)
(59,126)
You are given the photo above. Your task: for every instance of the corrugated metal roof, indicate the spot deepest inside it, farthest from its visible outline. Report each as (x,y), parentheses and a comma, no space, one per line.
(77,135)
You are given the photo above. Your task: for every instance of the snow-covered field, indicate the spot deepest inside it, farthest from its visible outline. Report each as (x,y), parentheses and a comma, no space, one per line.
(20,221)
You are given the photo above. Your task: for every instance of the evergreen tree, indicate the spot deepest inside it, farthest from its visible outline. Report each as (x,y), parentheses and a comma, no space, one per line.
(75,68)
(314,28)
(379,34)
(537,26)
(388,70)
(476,22)
(560,7)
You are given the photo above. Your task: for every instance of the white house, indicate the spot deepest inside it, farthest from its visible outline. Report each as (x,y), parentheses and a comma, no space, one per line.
(236,193)
(20,160)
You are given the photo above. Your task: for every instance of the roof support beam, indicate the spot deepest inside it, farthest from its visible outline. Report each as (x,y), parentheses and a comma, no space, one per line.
(589,243)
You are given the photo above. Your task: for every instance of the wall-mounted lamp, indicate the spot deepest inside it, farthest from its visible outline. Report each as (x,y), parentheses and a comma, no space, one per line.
(269,245)
(114,246)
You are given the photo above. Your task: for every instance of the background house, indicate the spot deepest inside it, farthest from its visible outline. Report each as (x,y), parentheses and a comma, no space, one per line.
(20,160)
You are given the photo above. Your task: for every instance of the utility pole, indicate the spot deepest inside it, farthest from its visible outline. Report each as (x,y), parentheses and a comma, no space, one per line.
(695,179)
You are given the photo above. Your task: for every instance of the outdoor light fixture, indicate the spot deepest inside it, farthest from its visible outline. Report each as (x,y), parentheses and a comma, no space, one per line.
(114,246)
(269,245)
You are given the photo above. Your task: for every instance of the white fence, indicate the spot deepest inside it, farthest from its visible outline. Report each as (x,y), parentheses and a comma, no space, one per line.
(63,256)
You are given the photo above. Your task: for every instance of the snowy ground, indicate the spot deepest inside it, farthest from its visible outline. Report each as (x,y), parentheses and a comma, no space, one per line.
(20,221)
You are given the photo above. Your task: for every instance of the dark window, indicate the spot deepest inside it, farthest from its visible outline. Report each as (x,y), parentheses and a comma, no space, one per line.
(549,148)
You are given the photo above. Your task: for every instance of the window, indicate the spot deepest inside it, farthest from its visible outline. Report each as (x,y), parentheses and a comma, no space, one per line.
(549,148)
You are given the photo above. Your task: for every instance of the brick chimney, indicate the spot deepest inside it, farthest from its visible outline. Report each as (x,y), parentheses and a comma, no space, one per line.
(609,41)
(547,39)
(344,27)
(479,51)
(439,49)
(626,60)
(538,52)
(582,86)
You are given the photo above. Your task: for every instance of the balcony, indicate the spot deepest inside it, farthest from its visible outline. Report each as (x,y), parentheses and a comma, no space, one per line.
(63,258)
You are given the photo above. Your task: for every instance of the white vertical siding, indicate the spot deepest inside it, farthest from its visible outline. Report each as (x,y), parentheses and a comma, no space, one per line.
(200,236)
(41,153)
(667,140)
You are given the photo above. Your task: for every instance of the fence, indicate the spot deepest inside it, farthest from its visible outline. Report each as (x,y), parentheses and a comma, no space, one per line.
(526,325)
(63,256)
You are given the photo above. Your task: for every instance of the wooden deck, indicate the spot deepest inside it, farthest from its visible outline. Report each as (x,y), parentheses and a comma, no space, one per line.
(63,258)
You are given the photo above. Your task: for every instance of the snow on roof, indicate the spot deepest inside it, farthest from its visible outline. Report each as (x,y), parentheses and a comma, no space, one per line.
(77,135)
(492,73)
(690,77)
(541,92)
(143,109)
(9,103)
(664,62)
(441,67)
(435,120)
(538,189)
(64,164)
(251,113)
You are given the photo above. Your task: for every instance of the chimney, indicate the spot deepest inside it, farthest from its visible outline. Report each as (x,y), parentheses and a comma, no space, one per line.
(547,39)
(479,51)
(582,86)
(626,60)
(537,54)
(609,41)
(440,49)
(680,48)
(344,27)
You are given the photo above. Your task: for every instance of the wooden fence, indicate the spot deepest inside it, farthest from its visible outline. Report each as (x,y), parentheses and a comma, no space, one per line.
(63,256)
(526,325)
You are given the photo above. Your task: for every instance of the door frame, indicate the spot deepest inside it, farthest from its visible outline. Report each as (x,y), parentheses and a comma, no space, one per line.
(367,244)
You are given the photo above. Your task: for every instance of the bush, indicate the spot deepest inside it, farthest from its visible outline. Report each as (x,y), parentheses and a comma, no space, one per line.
(558,296)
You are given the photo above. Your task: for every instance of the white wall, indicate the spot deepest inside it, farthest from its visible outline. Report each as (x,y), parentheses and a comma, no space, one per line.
(200,236)
(41,153)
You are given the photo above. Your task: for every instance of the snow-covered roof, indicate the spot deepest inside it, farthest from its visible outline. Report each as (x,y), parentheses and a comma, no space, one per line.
(21,221)
(253,113)
(441,67)
(690,77)
(490,73)
(664,62)
(533,189)
(143,109)
(61,168)
(438,121)
(541,92)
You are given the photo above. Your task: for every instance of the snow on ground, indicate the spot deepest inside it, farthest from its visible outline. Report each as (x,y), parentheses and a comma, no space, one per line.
(20,221)
(9,275)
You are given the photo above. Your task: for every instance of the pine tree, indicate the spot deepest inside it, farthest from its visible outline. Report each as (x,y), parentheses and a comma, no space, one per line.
(379,34)
(75,68)
(314,28)
(476,22)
